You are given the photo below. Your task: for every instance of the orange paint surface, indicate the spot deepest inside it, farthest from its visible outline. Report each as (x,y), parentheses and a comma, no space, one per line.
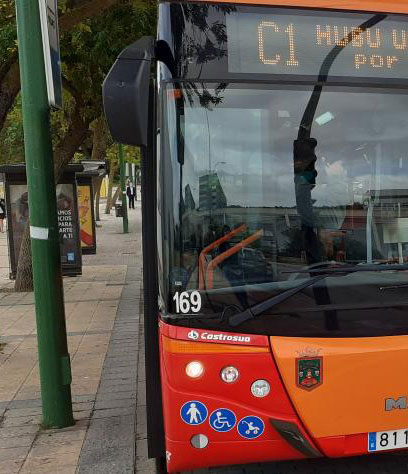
(393,6)
(358,375)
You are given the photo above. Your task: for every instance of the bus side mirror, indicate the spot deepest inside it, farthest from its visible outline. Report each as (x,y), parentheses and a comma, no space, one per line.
(126,93)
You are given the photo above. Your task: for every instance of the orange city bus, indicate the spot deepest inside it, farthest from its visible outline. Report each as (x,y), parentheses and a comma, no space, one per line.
(274,136)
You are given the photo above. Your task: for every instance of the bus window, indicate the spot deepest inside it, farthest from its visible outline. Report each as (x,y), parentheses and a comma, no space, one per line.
(246,221)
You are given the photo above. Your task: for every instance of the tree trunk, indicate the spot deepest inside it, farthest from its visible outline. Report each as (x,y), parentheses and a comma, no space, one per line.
(99,146)
(24,277)
(115,196)
(97,187)
(63,154)
(97,197)
(112,171)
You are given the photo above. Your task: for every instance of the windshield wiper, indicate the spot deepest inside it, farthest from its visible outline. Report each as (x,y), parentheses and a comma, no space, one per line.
(259,308)
(383,267)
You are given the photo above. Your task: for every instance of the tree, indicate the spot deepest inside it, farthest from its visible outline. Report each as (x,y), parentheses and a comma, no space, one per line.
(73,13)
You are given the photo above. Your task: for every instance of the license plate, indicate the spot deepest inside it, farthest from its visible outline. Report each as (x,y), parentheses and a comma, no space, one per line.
(385,440)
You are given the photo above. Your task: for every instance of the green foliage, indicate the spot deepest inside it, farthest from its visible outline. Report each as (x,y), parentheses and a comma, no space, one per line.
(8,32)
(89,50)
(130,154)
(11,136)
(87,53)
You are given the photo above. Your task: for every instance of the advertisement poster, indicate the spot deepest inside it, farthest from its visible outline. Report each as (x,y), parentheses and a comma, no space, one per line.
(67,223)
(67,220)
(85,216)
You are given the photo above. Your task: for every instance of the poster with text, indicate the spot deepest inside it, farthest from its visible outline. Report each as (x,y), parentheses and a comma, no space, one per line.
(85,216)
(67,223)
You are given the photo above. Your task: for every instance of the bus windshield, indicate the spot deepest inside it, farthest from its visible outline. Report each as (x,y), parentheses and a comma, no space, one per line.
(251,207)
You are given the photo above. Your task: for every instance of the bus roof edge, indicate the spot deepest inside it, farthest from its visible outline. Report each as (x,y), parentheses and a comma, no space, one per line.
(391,6)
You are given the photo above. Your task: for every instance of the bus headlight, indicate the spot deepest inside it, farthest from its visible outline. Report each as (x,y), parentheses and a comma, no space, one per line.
(194,369)
(260,388)
(229,374)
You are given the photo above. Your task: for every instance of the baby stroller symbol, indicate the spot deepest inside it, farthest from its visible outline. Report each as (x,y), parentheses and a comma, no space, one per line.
(251,427)
(222,419)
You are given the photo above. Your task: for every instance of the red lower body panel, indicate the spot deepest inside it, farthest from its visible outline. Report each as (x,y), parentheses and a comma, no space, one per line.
(191,405)
(183,457)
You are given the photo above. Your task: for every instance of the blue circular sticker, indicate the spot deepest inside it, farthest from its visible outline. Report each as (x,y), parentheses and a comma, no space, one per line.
(222,419)
(194,413)
(250,427)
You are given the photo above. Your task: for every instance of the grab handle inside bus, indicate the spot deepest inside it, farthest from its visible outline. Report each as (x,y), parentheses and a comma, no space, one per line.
(202,263)
(232,251)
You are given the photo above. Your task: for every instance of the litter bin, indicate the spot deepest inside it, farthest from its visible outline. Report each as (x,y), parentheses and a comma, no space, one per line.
(119,210)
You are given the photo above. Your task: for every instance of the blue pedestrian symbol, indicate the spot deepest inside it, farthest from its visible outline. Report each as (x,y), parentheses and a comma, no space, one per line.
(193,413)
(250,427)
(222,419)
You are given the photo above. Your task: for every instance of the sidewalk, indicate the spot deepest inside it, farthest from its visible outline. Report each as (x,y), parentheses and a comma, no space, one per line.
(102,312)
(105,337)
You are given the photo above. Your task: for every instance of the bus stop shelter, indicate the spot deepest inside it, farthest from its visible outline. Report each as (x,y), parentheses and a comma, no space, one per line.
(88,181)
(16,196)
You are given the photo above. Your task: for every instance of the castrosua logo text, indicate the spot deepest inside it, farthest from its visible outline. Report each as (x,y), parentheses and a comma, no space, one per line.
(205,336)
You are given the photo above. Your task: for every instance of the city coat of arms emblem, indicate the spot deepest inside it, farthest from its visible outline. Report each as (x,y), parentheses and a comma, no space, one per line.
(309,372)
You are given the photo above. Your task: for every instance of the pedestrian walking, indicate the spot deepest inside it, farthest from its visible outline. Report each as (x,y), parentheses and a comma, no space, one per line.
(131,193)
(2,213)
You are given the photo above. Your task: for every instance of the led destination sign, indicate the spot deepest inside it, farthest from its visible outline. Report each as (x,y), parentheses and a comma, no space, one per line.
(297,44)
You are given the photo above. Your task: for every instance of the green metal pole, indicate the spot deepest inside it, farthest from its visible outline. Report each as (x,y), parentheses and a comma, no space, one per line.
(123,189)
(54,363)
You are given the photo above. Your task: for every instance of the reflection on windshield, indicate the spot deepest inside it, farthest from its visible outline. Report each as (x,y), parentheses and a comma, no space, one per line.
(257,204)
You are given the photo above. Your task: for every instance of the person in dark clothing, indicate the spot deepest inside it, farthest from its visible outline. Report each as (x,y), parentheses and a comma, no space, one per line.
(2,213)
(131,193)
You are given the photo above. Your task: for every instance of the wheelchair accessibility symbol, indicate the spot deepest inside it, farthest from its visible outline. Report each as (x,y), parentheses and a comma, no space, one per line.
(194,413)
(222,420)
(250,427)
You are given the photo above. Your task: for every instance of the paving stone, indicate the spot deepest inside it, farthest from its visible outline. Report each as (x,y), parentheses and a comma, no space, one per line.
(23,411)
(14,454)
(117,467)
(83,406)
(117,388)
(130,376)
(21,421)
(18,431)
(35,402)
(107,455)
(121,403)
(63,463)
(83,398)
(16,441)
(116,395)
(110,412)
(108,382)
(61,438)
(11,466)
